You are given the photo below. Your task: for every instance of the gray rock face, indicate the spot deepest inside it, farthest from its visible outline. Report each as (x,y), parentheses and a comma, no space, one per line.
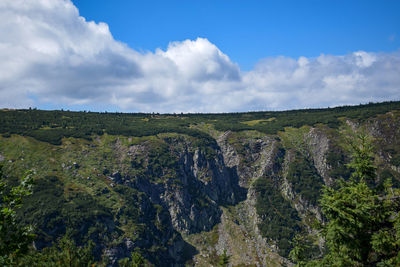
(192,198)
(202,184)
(319,146)
(231,158)
(262,154)
(257,160)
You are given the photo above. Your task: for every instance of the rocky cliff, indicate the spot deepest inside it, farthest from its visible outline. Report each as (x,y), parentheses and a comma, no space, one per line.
(180,201)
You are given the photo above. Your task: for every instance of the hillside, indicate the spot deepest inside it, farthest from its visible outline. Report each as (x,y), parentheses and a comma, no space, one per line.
(182,189)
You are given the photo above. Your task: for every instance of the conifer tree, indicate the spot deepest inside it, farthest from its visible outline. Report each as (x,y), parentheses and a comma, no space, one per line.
(14,238)
(63,253)
(363,224)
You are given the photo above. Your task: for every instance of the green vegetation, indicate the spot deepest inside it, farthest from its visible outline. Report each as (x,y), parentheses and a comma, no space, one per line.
(363,221)
(136,260)
(254,122)
(51,212)
(52,126)
(305,179)
(305,247)
(338,160)
(280,221)
(64,253)
(293,138)
(61,214)
(223,260)
(14,238)
(297,118)
(102,179)
(395,161)
(78,189)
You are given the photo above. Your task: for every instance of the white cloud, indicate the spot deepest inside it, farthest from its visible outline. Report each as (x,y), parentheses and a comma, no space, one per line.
(364,59)
(200,60)
(51,55)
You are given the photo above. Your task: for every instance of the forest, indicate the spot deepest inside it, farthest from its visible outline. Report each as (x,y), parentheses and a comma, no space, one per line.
(52,126)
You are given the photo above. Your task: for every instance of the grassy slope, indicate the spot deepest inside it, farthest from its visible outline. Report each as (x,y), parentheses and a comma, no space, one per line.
(74,190)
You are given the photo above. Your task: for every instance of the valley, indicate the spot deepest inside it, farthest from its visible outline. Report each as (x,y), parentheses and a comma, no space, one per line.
(186,189)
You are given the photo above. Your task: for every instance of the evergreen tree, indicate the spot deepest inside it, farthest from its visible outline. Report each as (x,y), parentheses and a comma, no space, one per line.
(362,227)
(136,260)
(14,238)
(63,253)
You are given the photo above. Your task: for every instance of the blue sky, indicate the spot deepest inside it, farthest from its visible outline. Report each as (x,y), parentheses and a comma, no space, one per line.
(198,55)
(250,30)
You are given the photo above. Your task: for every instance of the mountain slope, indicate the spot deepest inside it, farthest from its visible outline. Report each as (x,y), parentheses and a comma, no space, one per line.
(182,189)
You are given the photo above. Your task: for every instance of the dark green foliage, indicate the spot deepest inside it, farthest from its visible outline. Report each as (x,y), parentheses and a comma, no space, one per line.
(136,260)
(37,211)
(363,159)
(52,213)
(363,221)
(14,238)
(348,232)
(223,260)
(280,221)
(64,253)
(304,248)
(337,160)
(51,126)
(298,118)
(130,210)
(305,179)
(363,225)
(387,174)
(395,161)
(389,144)
(160,160)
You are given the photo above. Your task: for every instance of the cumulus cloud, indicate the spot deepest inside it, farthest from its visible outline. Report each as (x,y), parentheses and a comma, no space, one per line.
(49,55)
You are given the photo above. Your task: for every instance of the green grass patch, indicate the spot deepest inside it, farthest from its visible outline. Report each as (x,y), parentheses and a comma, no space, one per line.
(254,122)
